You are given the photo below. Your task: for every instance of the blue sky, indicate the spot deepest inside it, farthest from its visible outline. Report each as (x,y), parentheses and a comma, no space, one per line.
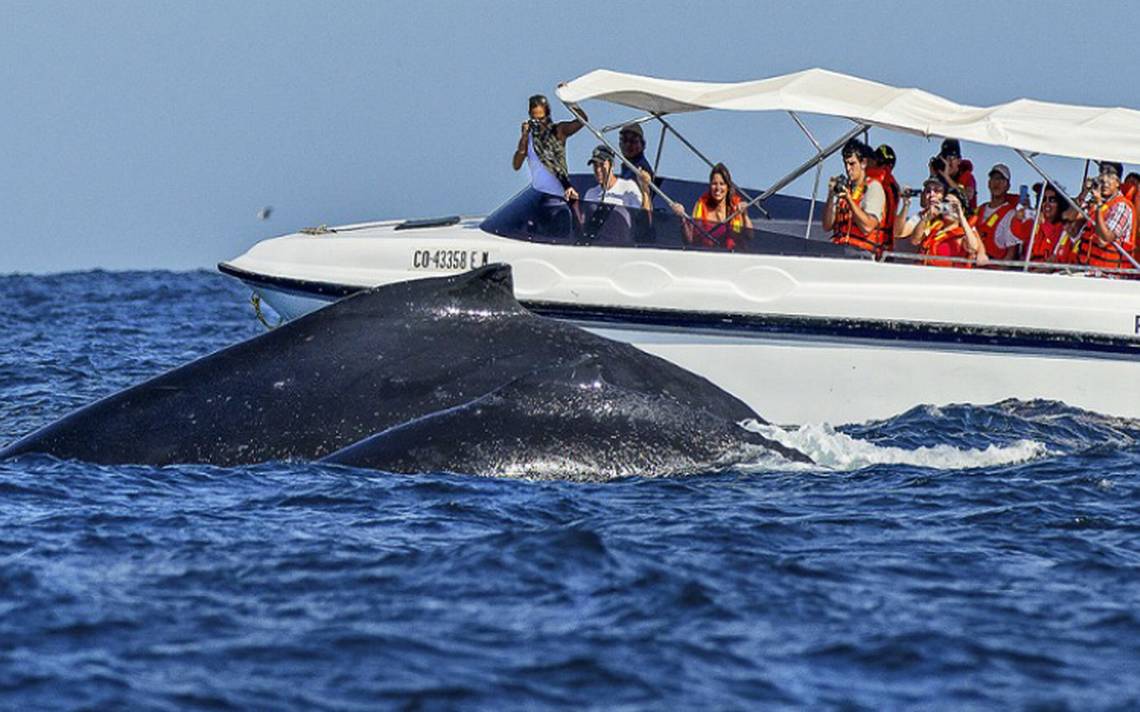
(149,134)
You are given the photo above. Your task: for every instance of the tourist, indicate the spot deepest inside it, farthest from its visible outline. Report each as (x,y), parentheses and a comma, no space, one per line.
(542,146)
(856,203)
(720,214)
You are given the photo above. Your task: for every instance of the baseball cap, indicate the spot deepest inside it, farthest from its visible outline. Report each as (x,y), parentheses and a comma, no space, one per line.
(934,181)
(601,153)
(1001,169)
(634,129)
(951,147)
(886,154)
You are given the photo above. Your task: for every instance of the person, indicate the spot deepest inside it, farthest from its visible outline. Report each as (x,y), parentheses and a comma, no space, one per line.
(1112,219)
(881,166)
(956,172)
(994,220)
(856,206)
(631,140)
(1050,228)
(942,229)
(614,190)
(720,214)
(542,146)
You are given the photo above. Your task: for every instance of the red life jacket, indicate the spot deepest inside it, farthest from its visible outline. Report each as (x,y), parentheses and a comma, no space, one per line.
(846,232)
(944,240)
(1045,242)
(965,178)
(987,229)
(1097,255)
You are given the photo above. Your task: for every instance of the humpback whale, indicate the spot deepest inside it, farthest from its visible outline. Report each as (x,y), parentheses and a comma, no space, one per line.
(447,373)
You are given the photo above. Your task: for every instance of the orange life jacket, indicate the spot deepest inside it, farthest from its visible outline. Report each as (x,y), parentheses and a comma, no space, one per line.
(987,229)
(701,213)
(846,232)
(1107,256)
(937,242)
(886,178)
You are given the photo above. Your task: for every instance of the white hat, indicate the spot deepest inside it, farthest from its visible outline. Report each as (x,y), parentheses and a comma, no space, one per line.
(1002,169)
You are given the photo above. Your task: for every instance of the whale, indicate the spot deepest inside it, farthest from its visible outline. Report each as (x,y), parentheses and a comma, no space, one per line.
(437,374)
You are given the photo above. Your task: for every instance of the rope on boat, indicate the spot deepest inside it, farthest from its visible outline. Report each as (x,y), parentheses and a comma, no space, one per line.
(318,230)
(255,299)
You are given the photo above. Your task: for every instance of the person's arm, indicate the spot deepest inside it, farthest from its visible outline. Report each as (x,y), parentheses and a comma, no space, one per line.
(899,231)
(643,179)
(1103,233)
(520,151)
(866,221)
(974,246)
(566,129)
(920,229)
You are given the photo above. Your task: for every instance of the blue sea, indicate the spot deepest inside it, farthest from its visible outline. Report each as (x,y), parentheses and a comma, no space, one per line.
(959,557)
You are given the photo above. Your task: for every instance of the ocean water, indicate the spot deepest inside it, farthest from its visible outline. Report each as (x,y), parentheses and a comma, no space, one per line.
(947,558)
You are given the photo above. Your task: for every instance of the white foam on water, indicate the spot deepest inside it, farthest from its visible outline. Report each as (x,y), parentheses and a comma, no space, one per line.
(837,451)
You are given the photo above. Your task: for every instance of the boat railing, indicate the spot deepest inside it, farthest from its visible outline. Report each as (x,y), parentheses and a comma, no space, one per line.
(1009,265)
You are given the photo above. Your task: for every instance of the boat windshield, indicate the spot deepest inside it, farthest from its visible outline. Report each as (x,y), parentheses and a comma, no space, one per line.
(778,229)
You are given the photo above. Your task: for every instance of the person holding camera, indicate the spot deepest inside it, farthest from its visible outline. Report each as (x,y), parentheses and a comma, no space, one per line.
(942,229)
(1112,215)
(994,220)
(955,172)
(542,146)
(856,203)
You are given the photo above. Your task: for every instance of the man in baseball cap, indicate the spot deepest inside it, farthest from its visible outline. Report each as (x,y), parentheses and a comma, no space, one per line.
(994,220)
(632,142)
(955,171)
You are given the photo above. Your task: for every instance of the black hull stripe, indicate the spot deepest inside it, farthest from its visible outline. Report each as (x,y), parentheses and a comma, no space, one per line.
(726,324)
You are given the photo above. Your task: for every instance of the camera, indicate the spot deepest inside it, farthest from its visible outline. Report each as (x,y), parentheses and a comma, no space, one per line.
(840,183)
(910,192)
(945,208)
(535,124)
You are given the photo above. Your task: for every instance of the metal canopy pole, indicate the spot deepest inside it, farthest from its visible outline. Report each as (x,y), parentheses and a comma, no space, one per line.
(1075,204)
(573,109)
(638,120)
(709,163)
(660,147)
(818,173)
(1036,223)
(807,165)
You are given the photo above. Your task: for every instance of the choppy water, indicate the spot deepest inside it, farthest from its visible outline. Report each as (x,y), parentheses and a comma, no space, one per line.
(961,557)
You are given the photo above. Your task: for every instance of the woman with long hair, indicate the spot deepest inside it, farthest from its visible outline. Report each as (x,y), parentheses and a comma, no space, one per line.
(719,215)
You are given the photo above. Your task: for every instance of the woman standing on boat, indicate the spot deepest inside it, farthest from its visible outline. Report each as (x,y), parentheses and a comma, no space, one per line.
(720,207)
(542,146)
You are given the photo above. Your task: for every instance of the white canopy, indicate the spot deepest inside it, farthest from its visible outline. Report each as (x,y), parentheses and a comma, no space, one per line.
(1032,126)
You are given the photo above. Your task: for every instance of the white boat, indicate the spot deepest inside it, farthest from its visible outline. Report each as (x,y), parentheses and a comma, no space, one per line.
(799,328)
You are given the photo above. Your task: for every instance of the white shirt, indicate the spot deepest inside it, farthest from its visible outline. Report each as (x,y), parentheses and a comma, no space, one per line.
(1003,235)
(874,200)
(624,192)
(541,179)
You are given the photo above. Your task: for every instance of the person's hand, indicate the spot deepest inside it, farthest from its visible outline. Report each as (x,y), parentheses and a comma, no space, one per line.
(678,209)
(570,194)
(959,214)
(525,127)
(644,178)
